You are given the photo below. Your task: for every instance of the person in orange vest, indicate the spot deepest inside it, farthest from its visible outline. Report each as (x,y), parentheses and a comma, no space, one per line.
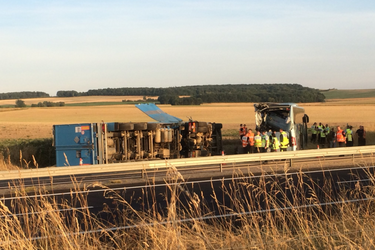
(250,135)
(244,132)
(340,138)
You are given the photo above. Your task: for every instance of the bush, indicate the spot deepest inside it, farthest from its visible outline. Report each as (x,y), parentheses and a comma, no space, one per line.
(21,152)
(20,104)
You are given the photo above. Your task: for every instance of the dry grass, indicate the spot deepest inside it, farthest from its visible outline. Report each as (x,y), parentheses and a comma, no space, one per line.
(37,122)
(180,225)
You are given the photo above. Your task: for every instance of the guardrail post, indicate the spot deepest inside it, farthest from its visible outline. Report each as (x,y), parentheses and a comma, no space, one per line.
(221,167)
(143,173)
(291,162)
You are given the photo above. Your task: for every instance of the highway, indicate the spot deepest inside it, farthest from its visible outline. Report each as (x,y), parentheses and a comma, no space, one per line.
(222,186)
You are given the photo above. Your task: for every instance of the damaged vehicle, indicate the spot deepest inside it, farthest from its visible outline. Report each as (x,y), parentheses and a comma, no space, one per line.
(287,116)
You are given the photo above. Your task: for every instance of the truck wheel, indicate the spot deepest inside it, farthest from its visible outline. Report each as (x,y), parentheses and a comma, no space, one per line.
(126,126)
(140,126)
(202,124)
(153,126)
(202,129)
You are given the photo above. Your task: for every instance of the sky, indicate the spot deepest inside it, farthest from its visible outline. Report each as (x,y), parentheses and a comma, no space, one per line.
(80,45)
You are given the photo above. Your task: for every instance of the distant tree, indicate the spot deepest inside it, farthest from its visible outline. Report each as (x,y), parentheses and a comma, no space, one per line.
(20,104)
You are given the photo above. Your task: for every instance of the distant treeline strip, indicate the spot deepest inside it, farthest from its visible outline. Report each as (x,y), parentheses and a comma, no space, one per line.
(214,93)
(22,95)
(194,95)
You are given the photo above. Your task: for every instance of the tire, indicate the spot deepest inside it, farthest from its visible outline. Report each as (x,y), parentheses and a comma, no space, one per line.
(202,124)
(140,126)
(152,126)
(202,129)
(126,126)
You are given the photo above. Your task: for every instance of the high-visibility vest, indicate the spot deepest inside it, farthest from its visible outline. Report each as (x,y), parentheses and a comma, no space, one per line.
(258,141)
(327,129)
(313,128)
(265,141)
(349,134)
(319,128)
(323,133)
(251,138)
(339,136)
(275,143)
(285,142)
(244,141)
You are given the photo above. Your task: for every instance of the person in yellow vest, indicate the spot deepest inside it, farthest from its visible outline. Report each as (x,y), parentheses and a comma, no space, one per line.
(349,136)
(265,142)
(319,129)
(250,135)
(275,145)
(322,134)
(314,132)
(284,141)
(258,142)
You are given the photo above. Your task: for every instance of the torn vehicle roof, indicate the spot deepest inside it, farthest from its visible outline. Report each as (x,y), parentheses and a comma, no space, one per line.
(156,113)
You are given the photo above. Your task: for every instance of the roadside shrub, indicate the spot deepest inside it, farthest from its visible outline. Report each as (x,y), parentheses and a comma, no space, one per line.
(28,153)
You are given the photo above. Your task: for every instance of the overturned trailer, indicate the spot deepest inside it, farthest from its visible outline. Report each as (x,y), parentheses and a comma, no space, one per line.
(286,116)
(113,142)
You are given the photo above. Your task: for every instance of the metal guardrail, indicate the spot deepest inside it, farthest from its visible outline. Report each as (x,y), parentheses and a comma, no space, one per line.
(184,162)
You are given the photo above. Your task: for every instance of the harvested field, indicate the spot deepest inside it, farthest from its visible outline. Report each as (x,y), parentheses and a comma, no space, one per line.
(37,122)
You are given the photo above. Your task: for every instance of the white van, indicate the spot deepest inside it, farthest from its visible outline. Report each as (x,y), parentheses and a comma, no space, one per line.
(288,116)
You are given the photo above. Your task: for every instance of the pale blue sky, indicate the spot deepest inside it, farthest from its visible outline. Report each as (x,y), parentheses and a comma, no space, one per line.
(81,45)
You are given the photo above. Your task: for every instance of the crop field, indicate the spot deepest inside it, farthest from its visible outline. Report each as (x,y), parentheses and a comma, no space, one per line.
(348,93)
(29,123)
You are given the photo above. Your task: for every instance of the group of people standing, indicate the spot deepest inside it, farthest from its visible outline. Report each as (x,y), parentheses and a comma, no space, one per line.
(325,135)
(262,141)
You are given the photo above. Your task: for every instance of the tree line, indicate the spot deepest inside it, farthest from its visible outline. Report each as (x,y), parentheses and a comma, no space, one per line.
(193,95)
(23,95)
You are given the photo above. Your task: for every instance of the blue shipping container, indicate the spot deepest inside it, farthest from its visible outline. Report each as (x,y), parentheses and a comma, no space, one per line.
(75,144)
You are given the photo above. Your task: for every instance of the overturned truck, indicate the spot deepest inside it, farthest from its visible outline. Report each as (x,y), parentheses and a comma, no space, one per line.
(113,142)
(286,116)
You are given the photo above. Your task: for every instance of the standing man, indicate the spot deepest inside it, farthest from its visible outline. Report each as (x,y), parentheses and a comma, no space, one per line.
(340,138)
(314,131)
(319,129)
(245,144)
(349,136)
(331,138)
(250,135)
(241,131)
(244,131)
(275,143)
(265,142)
(258,142)
(322,141)
(361,136)
(284,141)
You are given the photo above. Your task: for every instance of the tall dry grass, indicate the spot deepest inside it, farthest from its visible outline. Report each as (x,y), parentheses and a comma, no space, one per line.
(264,214)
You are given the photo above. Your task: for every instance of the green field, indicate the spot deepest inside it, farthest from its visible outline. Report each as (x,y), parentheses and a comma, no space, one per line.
(348,93)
